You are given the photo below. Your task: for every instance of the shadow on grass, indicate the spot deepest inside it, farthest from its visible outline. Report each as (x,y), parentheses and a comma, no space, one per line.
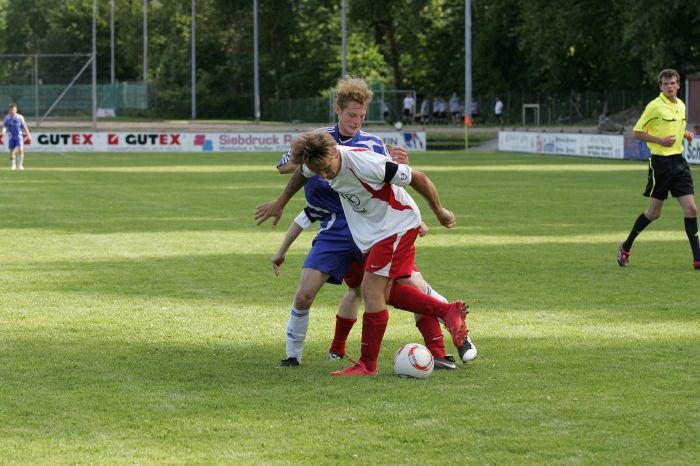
(581,277)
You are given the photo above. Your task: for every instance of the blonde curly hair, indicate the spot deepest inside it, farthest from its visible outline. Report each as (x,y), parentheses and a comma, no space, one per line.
(352,89)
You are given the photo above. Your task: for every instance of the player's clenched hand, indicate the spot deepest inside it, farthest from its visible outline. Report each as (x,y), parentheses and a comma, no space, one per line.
(689,136)
(265,211)
(423,230)
(399,155)
(277,261)
(446,218)
(668,142)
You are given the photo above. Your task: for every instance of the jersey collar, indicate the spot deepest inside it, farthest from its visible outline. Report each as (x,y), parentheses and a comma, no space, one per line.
(665,100)
(336,134)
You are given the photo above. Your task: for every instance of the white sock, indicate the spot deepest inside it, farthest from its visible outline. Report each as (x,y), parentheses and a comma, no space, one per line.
(20,160)
(12,162)
(297,325)
(431,292)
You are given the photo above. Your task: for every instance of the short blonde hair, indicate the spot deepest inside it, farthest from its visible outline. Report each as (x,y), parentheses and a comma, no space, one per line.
(352,89)
(312,147)
(669,73)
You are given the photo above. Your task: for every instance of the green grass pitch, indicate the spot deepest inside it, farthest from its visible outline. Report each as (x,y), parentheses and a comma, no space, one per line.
(140,321)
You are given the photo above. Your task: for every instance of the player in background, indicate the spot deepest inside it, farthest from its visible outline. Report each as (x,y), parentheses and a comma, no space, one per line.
(662,127)
(15,125)
(384,221)
(333,252)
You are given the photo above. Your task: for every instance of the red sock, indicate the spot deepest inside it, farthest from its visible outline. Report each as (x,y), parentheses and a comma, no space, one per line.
(432,334)
(342,330)
(373,326)
(411,299)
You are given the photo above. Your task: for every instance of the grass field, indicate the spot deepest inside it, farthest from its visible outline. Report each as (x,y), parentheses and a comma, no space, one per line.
(140,321)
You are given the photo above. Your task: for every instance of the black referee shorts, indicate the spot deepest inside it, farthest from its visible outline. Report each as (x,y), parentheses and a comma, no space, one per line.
(668,173)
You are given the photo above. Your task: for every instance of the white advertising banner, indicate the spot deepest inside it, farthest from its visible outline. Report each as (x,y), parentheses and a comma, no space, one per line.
(88,141)
(589,145)
(692,151)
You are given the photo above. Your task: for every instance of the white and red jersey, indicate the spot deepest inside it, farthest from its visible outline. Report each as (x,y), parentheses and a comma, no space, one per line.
(371,192)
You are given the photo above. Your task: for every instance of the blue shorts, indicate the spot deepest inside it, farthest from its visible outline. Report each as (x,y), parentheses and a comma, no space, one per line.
(332,254)
(15,142)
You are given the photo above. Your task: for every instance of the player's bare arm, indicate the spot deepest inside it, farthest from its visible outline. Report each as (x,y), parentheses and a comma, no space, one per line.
(287,168)
(26,130)
(666,142)
(276,209)
(278,258)
(425,187)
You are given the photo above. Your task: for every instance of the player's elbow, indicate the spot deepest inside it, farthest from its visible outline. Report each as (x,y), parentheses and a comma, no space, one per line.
(417,178)
(639,135)
(286,169)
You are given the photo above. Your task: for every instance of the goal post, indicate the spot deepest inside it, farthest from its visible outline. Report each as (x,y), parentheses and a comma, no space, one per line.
(536,110)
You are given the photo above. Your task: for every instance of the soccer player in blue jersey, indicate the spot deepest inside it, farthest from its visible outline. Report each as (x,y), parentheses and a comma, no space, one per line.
(15,125)
(334,257)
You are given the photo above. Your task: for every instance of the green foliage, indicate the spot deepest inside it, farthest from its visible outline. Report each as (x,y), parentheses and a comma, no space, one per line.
(518,46)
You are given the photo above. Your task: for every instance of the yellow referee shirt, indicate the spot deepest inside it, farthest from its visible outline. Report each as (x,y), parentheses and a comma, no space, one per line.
(663,118)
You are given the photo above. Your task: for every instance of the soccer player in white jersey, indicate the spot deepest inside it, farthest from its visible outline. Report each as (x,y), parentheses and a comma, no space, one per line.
(15,125)
(384,221)
(333,256)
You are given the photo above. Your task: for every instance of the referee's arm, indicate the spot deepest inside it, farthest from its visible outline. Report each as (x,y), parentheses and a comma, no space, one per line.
(646,137)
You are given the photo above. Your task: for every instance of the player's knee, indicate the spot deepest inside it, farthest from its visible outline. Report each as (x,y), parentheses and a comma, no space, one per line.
(303,299)
(371,292)
(691,211)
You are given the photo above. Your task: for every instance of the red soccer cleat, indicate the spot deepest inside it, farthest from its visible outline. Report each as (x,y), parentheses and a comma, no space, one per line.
(623,257)
(696,265)
(358,368)
(455,321)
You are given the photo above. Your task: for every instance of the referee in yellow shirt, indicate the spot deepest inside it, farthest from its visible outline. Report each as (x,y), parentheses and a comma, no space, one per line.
(662,127)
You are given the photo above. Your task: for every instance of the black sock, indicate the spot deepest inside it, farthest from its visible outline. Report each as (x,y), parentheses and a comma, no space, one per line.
(691,229)
(639,224)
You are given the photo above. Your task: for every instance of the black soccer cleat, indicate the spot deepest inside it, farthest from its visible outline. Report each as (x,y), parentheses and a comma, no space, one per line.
(333,356)
(447,363)
(290,362)
(623,257)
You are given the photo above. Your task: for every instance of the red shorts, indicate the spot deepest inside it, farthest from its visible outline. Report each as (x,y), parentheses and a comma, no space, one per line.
(353,276)
(393,256)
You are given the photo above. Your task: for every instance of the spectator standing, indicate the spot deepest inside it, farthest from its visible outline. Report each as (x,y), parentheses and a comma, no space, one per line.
(454,108)
(425,111)
(498,111)
(436,110)
(408,109)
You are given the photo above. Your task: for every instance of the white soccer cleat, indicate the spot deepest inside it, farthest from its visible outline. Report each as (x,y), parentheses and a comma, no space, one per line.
(467,351)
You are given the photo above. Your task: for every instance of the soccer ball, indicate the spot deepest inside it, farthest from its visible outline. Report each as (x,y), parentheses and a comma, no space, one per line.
(414,361)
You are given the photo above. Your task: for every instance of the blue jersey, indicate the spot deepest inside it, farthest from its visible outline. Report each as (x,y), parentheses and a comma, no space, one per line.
(14,125)
(323,204)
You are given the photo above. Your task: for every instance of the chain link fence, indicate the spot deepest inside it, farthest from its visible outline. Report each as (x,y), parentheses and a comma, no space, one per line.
(59,86)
